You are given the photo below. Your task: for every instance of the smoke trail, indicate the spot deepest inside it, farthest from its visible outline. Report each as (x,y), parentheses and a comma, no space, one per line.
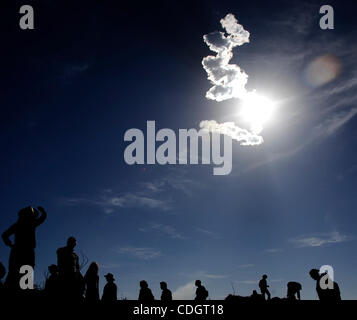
(228,79)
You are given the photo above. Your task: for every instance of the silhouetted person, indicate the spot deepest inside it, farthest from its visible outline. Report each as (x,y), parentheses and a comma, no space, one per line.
(325,294)
(294,289)
(166,294)
(110,289)
(263,286)
(71,279)
(52,282)
(201,292)
(91,281)
(145,294)
(23,247)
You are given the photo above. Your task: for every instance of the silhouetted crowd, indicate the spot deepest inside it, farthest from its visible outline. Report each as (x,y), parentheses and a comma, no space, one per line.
(65,280)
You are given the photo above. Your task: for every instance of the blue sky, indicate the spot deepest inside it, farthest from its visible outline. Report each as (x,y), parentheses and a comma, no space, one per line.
(73,86)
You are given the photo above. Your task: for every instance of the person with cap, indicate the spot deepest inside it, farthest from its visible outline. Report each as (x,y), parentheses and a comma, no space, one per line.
(24,244)
(110,289)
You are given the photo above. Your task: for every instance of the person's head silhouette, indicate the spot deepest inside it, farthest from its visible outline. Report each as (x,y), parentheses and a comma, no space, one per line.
(143,284)
(163,285)
(71,242)
(27,214)
(93,269)
(198,283)
(265,276)
(314,274)
(109,276)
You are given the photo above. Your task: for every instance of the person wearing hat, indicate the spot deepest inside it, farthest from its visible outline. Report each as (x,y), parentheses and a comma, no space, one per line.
(24,244)
(110,289)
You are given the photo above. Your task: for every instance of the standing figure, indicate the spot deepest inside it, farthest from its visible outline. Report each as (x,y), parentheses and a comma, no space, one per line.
(145,294)
(263,285)
(294,288)
(52,282)
(91,281)
(110,289)
(325,293)
(71,279)
(23,248)
(166,293)
(201,292)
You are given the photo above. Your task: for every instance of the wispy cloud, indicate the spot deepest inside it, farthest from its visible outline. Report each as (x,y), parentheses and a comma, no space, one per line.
(215,276)
(110,201)
(209,233)
(109,266)
(334,122)
(249,282)
(154,194)
(204,274)
(273,250)
(255,282)
(73,70)
(320,239)
(248,265)
(140,252)
(169,231)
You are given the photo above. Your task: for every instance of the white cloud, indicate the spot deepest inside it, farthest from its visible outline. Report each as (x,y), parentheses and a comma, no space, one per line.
(185,292)
(140,252)
(228,79)
(245,137)
(321,239)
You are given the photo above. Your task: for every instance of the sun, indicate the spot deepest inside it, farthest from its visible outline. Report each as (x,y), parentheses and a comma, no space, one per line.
(256,110)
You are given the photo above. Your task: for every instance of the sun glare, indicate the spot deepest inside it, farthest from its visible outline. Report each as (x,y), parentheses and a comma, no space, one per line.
(256,110)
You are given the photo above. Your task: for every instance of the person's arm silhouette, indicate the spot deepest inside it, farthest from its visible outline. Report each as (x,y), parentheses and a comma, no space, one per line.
(42,217)
(6,235)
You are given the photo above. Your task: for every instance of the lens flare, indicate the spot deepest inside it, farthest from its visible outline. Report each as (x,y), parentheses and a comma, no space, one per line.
(256,110)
